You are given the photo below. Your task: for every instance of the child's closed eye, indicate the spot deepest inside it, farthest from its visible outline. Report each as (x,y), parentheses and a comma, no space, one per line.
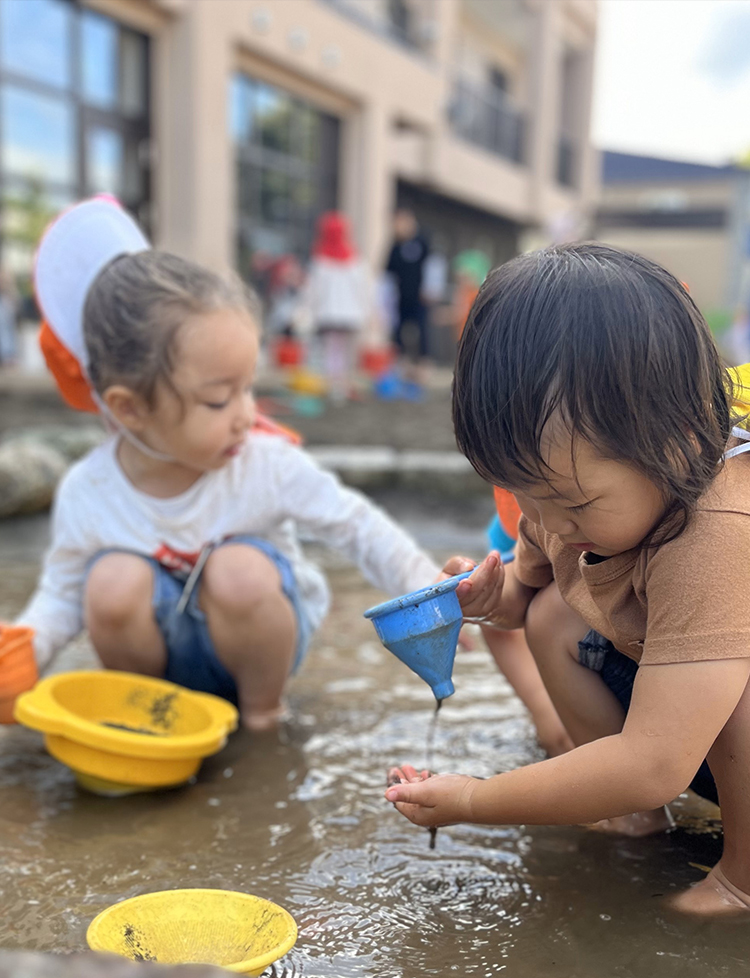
(580,508)
(247,391)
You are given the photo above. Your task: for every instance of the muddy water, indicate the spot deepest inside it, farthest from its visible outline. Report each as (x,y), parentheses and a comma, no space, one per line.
(299,818)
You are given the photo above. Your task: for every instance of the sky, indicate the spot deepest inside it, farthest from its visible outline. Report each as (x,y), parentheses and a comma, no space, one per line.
(673,78)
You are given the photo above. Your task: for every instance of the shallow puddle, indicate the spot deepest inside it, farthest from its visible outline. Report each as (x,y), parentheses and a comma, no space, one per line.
(300,818)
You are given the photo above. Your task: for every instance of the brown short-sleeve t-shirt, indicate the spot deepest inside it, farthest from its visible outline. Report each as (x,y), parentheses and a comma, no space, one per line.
(682,602)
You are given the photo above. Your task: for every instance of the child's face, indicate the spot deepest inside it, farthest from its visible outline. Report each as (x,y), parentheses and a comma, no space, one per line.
(204,424)
(592,504)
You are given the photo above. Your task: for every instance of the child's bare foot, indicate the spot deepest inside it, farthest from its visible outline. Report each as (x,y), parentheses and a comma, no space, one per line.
(260,720)
(637,825)
(713,896)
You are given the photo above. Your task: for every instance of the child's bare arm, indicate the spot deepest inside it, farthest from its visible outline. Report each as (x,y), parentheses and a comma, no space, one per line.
(677,712)
(493,593)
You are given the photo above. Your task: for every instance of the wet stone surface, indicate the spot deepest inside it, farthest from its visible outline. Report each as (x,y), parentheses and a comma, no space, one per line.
(31,965)
(298,817)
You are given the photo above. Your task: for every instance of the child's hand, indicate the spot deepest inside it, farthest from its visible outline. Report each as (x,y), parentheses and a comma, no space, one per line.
(480,594)
(407,775)
(428,800)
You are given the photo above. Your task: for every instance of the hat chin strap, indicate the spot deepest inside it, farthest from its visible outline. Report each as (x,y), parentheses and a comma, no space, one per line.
(114,423)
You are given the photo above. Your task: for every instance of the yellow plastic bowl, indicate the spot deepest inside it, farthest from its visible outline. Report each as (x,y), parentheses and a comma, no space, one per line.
(121,733)
(236,931)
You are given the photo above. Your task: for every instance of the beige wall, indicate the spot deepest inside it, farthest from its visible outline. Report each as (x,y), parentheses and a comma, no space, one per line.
(642,196)
(371,83)
(698,258)
(701,257)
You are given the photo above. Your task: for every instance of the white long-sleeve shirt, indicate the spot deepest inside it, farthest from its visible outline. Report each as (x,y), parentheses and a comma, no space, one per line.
(271,489)
(336,294)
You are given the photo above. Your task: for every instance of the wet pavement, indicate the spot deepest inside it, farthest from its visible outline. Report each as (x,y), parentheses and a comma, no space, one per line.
(298,817)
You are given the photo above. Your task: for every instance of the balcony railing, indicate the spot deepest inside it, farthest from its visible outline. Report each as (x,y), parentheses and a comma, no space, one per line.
(396,22)
(488,119)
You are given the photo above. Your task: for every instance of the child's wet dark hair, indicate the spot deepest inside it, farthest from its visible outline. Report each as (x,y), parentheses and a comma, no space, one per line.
(134,311)
(611,344)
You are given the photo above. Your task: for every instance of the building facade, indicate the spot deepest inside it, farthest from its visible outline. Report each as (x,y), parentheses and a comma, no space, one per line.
(692,218)
(227,126)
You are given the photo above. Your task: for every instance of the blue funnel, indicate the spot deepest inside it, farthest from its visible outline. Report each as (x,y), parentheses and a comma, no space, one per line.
(422,629)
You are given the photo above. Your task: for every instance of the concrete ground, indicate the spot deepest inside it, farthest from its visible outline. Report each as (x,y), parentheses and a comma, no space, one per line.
(33,400)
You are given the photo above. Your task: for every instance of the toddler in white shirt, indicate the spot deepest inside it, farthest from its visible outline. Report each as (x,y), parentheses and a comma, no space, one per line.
(176,542)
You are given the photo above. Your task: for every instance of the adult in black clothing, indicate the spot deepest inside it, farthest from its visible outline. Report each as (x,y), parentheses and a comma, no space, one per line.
(406,265)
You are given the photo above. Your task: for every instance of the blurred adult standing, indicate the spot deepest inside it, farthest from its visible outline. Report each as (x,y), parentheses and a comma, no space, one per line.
(338,301)
(406,264)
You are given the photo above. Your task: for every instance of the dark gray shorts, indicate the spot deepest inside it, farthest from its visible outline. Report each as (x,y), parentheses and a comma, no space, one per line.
(597,653)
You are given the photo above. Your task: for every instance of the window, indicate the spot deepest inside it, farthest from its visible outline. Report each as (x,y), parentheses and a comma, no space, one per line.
(38,137)
(498,80)
(399,16)
(286,170)
(36,40)
(73,118)
(99,60)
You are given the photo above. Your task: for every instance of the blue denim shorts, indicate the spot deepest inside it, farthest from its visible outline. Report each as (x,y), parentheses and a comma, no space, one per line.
(597,653)
(191,658)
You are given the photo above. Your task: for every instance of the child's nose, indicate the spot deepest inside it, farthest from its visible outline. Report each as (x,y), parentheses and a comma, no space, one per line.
(246,415)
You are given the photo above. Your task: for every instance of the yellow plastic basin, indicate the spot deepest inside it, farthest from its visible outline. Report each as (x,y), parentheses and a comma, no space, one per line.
(122,733)
(236,931)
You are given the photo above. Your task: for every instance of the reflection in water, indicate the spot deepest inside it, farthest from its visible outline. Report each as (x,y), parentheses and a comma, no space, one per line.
(299,817)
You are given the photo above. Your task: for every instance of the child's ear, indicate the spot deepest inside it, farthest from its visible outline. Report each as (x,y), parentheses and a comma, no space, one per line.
(129,408)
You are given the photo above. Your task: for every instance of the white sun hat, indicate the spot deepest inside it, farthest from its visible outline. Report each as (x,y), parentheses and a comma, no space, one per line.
(74,249)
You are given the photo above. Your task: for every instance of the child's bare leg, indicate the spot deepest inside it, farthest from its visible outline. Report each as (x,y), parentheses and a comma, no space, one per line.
(119,615)
(726,889)
(586,707)
(515,661)
(253,628)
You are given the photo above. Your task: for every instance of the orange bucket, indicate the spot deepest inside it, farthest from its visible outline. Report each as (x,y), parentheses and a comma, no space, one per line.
(18,671)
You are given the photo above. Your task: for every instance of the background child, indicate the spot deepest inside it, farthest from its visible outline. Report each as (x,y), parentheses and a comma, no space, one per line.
(470,268)
(176,542)
(338,300)
(589,384)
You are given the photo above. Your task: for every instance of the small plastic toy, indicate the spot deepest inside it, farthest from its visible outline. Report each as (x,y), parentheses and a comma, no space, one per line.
(422,630)
(306,382)
(18,671)
(391,386)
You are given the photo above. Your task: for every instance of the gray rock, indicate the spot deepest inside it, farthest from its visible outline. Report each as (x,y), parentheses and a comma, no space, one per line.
(29,473)
(72,442)
(32,464)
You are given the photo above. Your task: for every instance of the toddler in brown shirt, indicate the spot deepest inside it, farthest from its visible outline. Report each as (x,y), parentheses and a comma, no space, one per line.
(589,385)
